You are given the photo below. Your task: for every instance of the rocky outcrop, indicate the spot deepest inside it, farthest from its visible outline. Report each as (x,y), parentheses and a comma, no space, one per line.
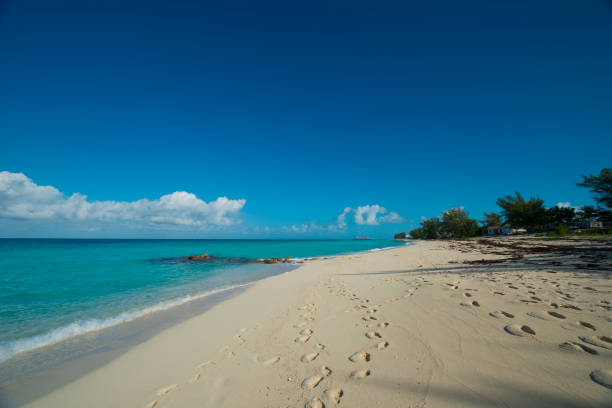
(206,257)
(203,257)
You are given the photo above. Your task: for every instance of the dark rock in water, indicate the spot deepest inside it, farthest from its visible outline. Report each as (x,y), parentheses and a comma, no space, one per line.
(203,257)
(214,258)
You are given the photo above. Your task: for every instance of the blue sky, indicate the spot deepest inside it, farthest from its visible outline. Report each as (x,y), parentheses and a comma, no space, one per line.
(299,110)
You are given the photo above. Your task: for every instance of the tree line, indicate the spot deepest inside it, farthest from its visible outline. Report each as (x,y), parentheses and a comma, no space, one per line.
(518,213)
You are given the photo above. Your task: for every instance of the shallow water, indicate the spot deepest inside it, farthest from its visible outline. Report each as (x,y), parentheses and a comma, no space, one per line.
(54,290)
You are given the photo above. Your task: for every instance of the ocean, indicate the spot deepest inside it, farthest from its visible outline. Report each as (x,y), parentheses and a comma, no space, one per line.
(56,290)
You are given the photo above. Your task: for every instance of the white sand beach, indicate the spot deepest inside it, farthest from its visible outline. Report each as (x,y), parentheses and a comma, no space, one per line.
(414,326)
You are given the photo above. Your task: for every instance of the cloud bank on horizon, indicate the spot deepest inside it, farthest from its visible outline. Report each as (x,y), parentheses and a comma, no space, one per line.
(23,199)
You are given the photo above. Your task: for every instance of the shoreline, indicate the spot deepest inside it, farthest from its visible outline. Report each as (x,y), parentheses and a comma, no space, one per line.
(416,304)
(129,316)
(41,371)
(37,369)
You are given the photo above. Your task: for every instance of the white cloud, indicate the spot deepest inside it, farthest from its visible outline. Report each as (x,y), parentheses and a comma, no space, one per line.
(21,198)
(307,227)
(392,217)
(563,204)
(342,218)
(367,214)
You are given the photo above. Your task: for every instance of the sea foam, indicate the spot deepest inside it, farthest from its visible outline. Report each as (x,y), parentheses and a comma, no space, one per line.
(12,348)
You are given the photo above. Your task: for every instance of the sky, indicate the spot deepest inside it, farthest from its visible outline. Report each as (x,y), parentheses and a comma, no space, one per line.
(196,119)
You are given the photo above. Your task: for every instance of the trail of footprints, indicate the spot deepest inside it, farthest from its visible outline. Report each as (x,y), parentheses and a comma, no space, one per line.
(374,330)
(203,367)
(330,396)
(360,359)
(603,377)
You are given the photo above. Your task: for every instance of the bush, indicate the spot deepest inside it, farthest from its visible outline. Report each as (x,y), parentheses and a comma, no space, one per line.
(417,233)
(562,230)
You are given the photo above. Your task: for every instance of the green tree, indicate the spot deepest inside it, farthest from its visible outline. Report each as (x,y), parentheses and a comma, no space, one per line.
(457,223)
(586,213)
(519,213)
(431,228)
(601,189)
(400,235)
(561,215)
(492,219)
(417,233)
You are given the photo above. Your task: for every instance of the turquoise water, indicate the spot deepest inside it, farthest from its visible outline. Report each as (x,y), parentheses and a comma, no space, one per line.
(53,290)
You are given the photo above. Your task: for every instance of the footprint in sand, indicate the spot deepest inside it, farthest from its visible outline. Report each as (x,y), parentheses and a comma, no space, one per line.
(475,303)
(382,345)
(368,318)
(311,382)
(500,313)
(314,403)
(271,361)
(306,332)
(325,370)
(555,314)
(467,294)
(333,396)
(539,315)
(300,325)
(382,325)
(166,390)
(307,358)
(302,339)
(599,341)
(360,374)
(151,404)
(204,364)
(320,347)
(602,377)
(519,330)
(194,379)
(587,325)
(373,335)
(575,346)
(360,356)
